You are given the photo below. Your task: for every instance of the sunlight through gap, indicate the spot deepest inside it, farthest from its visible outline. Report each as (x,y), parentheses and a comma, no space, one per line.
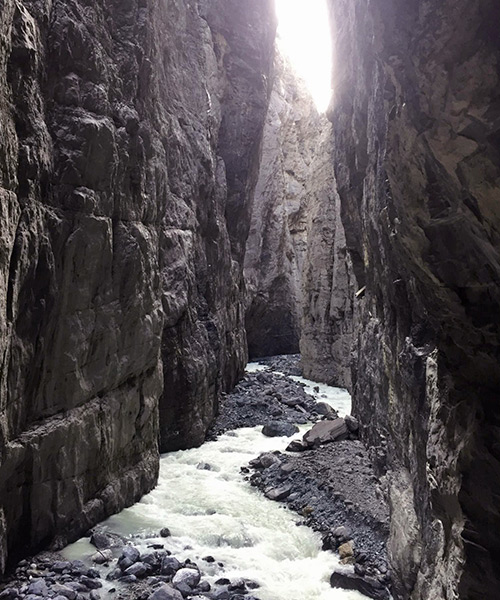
(304,37)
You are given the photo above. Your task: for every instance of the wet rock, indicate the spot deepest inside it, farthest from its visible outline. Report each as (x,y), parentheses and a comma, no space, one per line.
(278,493)
(203,466)
(128,557)
(368,586)
(324,409)
(185,589)
(102,556)
(166,592)
(346,549)
(297,446)
(204,586)
(326,432)
(38,588)
(265,460)
(63,590)
(169,565)
(101,541)
(279,429)
(60,565)
(139,569)
(165,532)
(190,577)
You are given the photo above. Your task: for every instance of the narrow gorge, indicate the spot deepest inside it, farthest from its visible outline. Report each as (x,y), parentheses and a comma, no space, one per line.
(172,205)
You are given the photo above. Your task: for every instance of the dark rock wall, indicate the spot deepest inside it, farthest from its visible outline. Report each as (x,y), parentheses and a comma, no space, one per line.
(216,97)
(114,248)
(277,244)
(416,133)
(328,280)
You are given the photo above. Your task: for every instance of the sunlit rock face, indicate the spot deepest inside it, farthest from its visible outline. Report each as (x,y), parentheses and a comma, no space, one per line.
(415,122)
(295,221)
(277,242)
(120,126)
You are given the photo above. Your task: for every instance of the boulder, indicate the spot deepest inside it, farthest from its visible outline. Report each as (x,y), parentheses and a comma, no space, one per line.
(369,586)
(278,493)
(346,550)
(297,446)
(279,429)
(187,576)
(100,540)
(325,432)
(166,592)
(324,409)
(139,569)
(169,565)
(129,556)
(102,556)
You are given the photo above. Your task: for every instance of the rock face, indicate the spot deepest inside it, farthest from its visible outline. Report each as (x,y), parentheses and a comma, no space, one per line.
(130,130)
(416,128)
(277,243)
(328,280)
(216,102)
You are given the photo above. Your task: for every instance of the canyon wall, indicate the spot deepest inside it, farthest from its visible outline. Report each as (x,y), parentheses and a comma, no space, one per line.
(297,295)
(416,122)
(129,131)
(277,243)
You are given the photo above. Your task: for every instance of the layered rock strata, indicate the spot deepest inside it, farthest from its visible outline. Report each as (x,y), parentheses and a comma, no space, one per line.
(416,128)
(121,125)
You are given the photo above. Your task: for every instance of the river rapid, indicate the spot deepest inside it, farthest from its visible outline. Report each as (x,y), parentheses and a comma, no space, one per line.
(203,498)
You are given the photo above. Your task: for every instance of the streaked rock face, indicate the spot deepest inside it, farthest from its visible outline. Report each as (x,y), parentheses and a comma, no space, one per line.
(277,243)
(415,122)
(120,126)
(295,184)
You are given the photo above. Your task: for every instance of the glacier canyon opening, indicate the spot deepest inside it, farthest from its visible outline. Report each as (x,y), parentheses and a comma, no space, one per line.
(250,343)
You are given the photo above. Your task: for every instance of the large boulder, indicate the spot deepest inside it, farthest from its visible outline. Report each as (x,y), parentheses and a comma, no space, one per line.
(279,429)
(369,586)
(325,432)
(166,592)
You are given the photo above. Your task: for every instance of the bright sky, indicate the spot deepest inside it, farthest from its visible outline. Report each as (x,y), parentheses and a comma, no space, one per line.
(304,36)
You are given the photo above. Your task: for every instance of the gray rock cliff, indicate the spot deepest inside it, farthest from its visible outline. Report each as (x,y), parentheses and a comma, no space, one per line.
(416,139)
(290,181)
(128,131)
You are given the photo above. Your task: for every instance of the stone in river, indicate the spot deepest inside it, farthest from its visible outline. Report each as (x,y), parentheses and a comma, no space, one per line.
(279,429)
(138,569)
(102,556)
(169,565)
(324,409)
(189,577)
(101,541)
(166,592)
(297,446)
(369,586)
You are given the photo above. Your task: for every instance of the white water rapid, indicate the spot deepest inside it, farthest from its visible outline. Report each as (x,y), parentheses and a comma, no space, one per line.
(216,512)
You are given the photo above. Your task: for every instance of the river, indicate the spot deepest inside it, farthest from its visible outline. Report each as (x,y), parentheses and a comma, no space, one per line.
(211,510)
